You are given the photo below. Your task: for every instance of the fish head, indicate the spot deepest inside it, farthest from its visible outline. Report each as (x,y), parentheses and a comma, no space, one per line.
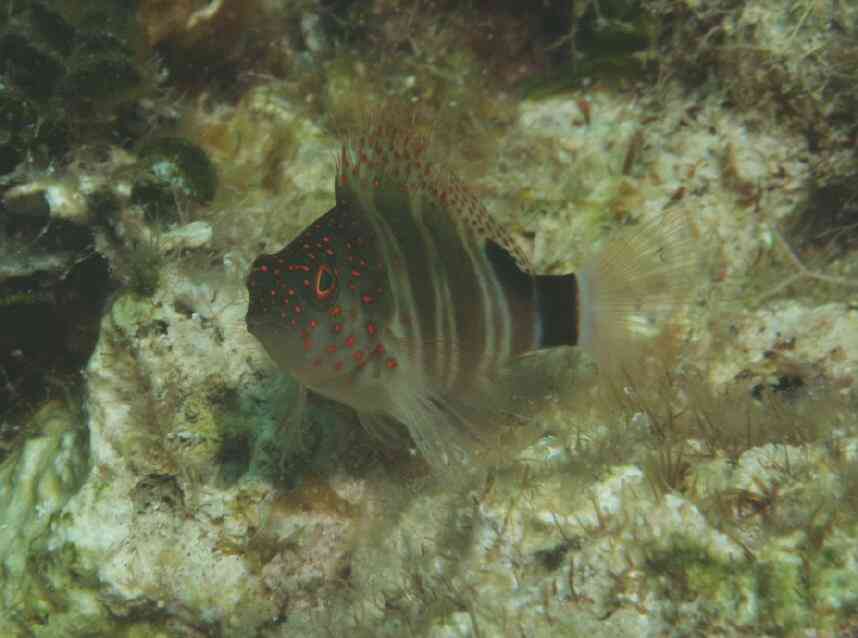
(316,305)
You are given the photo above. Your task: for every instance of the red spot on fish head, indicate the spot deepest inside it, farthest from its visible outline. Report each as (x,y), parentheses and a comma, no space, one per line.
(303,297)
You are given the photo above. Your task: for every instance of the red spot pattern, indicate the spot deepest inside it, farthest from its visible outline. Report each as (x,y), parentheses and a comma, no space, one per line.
(275,285)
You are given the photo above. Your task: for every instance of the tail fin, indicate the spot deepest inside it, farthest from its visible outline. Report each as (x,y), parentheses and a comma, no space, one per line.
(631,288)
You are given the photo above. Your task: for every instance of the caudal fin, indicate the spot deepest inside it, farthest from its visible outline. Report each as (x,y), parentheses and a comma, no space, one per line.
(631,289)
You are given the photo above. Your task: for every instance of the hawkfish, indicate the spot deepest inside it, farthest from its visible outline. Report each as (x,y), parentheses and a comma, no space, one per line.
(407,302)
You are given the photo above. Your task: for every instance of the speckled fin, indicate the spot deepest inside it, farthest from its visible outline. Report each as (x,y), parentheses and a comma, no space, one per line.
(391,169)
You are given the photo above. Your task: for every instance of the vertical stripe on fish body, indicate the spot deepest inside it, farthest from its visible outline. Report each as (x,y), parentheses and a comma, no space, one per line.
(407,302)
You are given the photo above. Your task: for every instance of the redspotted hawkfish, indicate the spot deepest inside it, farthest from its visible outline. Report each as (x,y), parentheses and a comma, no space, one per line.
(407,302)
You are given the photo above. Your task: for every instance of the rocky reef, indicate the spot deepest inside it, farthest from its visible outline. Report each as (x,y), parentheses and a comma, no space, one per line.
(160,477)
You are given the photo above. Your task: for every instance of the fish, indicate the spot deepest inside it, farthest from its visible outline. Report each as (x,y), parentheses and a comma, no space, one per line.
(409,303)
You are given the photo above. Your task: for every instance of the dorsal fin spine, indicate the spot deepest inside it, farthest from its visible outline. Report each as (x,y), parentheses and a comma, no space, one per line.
(394,159)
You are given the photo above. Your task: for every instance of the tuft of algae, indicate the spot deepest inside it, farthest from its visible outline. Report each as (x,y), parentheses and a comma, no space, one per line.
(168,170)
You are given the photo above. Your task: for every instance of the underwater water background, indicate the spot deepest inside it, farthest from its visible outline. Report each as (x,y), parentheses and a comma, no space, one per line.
(160,476)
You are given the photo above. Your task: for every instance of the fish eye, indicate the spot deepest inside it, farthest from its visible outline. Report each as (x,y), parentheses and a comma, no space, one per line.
(326,282)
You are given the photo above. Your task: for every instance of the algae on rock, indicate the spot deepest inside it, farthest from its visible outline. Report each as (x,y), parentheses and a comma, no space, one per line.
(697,507)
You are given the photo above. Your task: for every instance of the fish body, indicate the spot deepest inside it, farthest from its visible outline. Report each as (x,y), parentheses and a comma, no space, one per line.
(407,302)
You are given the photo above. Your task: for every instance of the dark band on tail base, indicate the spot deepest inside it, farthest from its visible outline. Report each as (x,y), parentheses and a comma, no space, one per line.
(555,298)
(557,305)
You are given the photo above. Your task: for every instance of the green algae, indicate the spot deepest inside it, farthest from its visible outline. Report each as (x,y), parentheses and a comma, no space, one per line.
(45,472)
(143,263)
(610,43)
(31,66)
(170,169)
(786,586)
(78,67)
(196,437)
(100,76)
(18,117)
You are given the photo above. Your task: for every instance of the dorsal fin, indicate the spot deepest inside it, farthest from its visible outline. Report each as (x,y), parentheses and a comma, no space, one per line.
(391,160)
